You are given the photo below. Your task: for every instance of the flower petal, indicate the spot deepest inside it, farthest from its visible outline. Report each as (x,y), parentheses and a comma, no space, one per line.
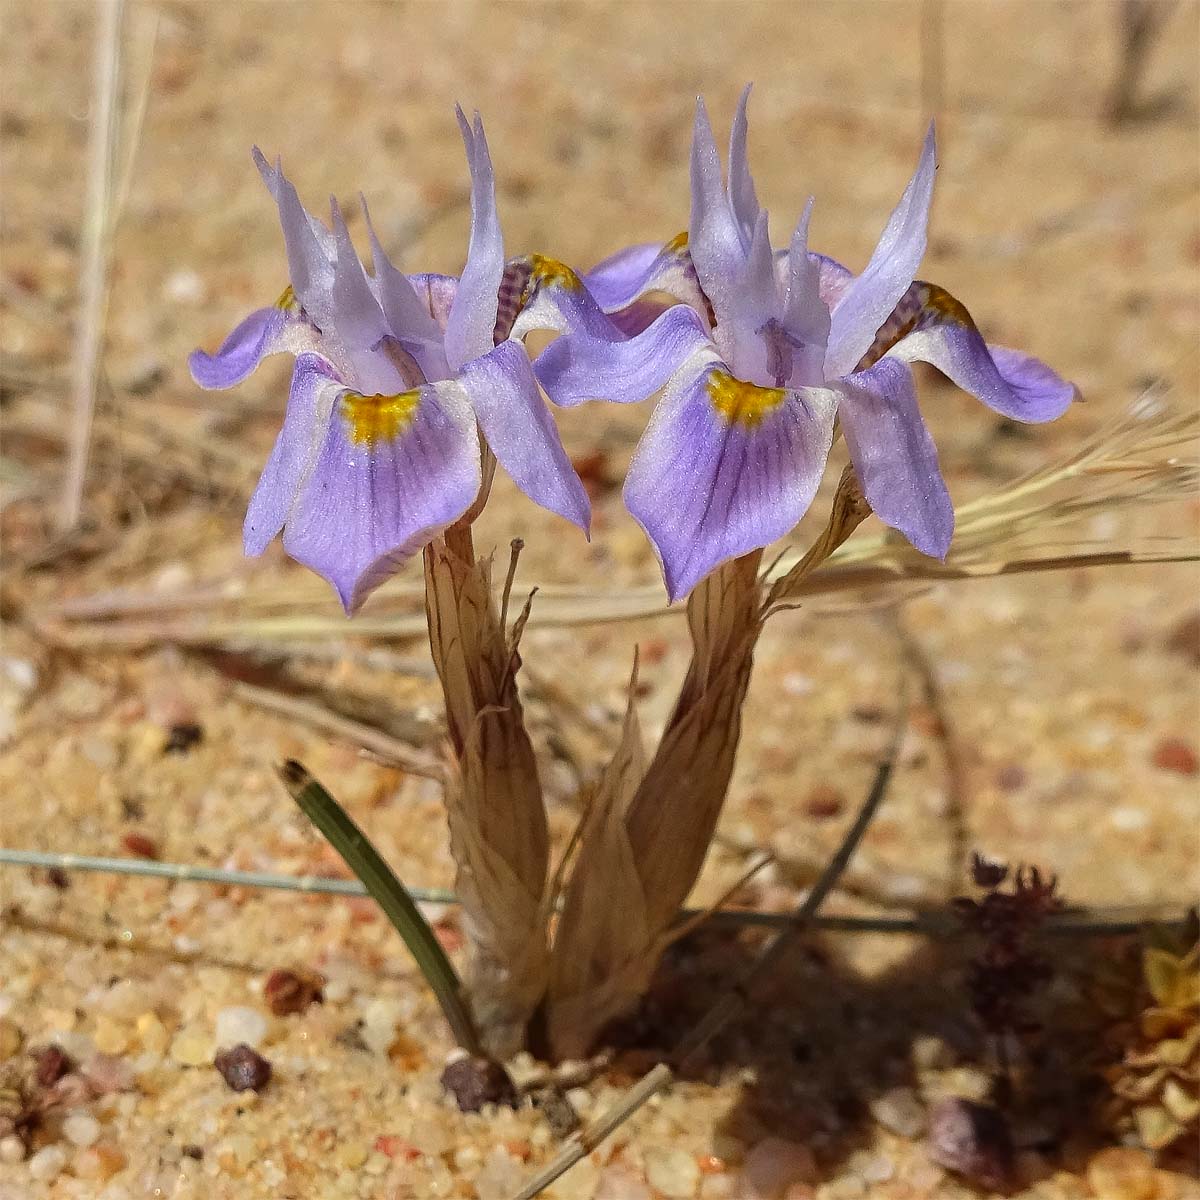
(436,292)
(310,246)
(714,240)
(894,455)
(742,197)
(392,473)
(621,278)
(521,432)
(805,316)
(1011,383)
(473,311)
(725,467)
(407,315)
(260,334)
(577,368)
(358,321)
(872,296)
(314,388)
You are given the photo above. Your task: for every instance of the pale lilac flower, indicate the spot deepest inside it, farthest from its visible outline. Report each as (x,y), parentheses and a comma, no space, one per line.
(396,379)
(765,351)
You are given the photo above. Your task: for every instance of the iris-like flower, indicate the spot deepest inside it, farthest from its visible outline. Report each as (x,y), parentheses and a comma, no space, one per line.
(396,379)
(763,353)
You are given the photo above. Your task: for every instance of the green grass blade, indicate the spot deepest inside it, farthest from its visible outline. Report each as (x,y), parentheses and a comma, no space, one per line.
(389,893)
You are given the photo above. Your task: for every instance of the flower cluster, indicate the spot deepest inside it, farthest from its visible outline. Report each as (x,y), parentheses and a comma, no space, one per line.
(405,386)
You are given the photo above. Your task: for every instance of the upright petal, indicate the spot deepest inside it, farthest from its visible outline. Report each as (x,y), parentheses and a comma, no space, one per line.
(310,246)
(714,240)
(473,311)
(871,297)
(806,315)
(407,316)
(577,368)
(358,317)
(315,387)
(725,467)
(895,457)
(743,199)
(521,432)
(392,472)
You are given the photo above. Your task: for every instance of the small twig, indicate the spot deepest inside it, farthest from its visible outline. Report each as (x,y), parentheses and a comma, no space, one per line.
(1087,922)
(375,740)
(514,553)
(958,791)
(733,1000)
(97,235)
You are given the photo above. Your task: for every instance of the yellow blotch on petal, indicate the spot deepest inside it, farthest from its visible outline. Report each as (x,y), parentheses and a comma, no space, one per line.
(549,271)
(742,403)
(677,244)
(377,418)
(287,301)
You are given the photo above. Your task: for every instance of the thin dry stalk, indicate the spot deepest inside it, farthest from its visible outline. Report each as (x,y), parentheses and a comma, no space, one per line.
(96,247)
(498,831)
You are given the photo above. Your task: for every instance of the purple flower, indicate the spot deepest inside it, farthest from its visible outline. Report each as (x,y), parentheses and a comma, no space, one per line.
(762,353)
(396,379)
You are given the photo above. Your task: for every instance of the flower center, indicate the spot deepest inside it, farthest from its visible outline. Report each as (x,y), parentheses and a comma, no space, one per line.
(742,403)
(378,418)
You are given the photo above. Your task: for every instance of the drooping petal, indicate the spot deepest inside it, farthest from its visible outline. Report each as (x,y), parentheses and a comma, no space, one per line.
(872,296)
(310,246)
(725,467)
(473,310)
(714,240)
(315,386)
(250,342)
(894,455)
(521,432)
(392,472)
(743,199)
(621,283)
(577,368)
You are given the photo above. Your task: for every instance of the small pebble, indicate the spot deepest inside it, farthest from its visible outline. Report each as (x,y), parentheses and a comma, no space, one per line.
(900,1111)
(616,1183)
(773,1165)
(81,1129)
(47,1163)
(289,992)
(1122,1173)
(10,1039)
(106,1074)
(973,1140)
(237,1025)
(139,845)
(243,1069)
(1174,754)
(192,1047)
(182,737)
(12,1149)
(474,1082)
(672,1171)
(50,1065)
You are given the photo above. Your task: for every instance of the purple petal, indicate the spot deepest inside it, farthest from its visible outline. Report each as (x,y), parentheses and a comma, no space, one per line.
(310,248)
(358,318)
(714,240)
(1009,382)
(577,368)
(436,293)
(742,197)
(621,278)
(249,343)
(314,387)
(391,474)
(473,311)
(870,299)
(407,316)
(724,468)
(521,432)
(806,315)
(540,293)
(894,455)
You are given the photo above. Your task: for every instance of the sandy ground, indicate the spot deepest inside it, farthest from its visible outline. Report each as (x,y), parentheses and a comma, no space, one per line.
(1066,236)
